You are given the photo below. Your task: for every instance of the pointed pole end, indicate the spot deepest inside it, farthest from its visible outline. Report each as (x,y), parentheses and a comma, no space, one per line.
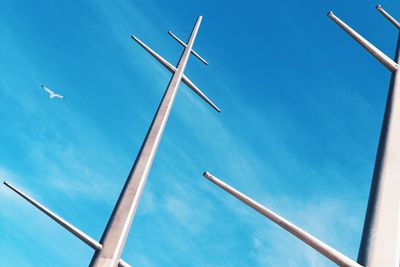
(330,14)
(378,7)
(207,175)
(8,185)
(214,106)
(134,37)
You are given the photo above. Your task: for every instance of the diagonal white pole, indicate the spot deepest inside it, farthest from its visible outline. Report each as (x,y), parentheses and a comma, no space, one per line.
(310,240)
(171,68)
(72,229)
(116,232)
(184,45)
(378,54)
(388,16)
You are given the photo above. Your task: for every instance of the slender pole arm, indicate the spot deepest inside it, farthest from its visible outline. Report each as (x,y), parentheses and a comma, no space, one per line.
(172,69)
(384,59)
(166,64)
(313,242)
(195,89)
(388,16)
(72,229)
(184,45)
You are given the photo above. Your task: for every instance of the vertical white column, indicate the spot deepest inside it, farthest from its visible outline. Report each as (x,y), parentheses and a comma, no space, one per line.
(380,244)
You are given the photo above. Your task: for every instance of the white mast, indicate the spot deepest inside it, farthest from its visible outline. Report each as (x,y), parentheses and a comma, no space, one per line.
(117,230)
(380,243)
(108,251)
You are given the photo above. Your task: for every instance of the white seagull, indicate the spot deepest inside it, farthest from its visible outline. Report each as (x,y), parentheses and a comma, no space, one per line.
(51,93)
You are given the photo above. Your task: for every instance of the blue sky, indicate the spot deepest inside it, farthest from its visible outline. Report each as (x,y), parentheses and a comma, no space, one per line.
(301,102)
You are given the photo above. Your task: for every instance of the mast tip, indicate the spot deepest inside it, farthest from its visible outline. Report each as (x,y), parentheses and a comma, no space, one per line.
(207,174)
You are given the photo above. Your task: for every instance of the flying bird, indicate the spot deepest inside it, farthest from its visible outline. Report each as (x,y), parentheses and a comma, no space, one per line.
(51,93)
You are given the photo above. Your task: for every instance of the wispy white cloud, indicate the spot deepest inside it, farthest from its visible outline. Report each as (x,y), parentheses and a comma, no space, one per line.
(325,218)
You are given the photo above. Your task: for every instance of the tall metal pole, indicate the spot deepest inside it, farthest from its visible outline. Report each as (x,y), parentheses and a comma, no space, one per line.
(116,232)
(380,243)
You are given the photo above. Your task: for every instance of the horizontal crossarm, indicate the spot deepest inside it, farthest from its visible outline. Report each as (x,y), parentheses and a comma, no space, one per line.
(184,45)
(172,69)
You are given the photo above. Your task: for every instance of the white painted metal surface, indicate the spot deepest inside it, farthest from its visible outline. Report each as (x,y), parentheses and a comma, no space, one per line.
(388,16)
(380,243)
(172,69)
(384,59)
(117,230)
(184,45)
(72,229)
(310,240)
